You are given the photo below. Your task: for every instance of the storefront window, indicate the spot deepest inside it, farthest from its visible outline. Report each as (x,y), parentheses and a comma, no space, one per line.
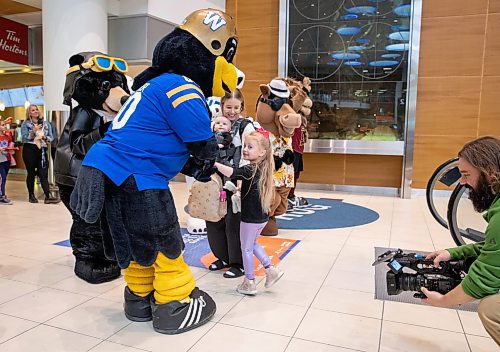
(356,54)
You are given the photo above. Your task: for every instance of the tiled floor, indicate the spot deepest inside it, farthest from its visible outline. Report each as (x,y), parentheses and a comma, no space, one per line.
(325,302)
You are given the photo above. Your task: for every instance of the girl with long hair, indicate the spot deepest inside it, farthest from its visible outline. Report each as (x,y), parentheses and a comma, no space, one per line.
(256,199)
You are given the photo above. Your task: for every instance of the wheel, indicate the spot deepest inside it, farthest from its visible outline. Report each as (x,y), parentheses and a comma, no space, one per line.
(460,211)
(446,174)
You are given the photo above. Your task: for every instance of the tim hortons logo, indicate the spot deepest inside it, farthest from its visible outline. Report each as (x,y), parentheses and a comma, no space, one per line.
(12,46)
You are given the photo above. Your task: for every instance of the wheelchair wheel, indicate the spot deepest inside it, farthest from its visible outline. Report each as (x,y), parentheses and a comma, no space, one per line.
(446,176)
(465,224)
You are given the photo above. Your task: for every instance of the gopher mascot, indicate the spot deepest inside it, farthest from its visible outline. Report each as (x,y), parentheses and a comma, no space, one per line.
(163,129)
(275,113)
(98,84)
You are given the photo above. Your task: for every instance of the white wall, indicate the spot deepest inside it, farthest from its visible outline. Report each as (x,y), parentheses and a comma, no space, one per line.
(174,11)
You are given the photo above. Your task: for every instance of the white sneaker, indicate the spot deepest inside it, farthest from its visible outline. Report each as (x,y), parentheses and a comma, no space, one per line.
(247,287)
(273,274)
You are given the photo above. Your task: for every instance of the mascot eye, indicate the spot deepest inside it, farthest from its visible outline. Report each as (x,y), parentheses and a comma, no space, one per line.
(105,85)
(230,54)
(216,45)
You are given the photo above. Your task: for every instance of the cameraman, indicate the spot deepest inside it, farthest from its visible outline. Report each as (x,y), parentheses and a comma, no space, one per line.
(479,165)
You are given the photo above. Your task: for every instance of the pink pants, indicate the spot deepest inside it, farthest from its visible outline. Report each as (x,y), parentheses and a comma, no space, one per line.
(249,248)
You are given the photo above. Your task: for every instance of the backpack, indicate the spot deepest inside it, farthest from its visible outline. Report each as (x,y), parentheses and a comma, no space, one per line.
(207,200)
(238,128)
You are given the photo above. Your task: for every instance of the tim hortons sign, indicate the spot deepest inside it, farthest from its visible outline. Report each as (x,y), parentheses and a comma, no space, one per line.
(13,42)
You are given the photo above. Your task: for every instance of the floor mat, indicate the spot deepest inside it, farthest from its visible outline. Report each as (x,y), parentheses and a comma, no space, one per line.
(197,251)
(405,296)
(324,213)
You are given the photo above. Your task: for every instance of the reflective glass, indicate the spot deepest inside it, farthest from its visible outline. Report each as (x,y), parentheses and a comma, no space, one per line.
(356,54)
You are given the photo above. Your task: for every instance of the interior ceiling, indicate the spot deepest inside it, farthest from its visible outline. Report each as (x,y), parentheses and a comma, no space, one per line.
(27,12)
(9,7)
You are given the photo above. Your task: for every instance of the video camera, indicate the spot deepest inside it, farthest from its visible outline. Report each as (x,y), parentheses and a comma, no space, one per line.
(423,273)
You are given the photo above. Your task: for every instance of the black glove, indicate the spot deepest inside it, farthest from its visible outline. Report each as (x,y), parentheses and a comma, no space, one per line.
(204,150)
(87,198)
(200,170)
(201,164)
(288,157)
(104,128)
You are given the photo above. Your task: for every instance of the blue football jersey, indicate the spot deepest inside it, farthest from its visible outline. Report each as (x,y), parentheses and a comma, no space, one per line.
(147,137)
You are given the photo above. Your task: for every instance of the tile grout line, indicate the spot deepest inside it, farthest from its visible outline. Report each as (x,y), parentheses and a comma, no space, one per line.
(383,304)
(465,334)
(215,323)
(13,337)
(319,289)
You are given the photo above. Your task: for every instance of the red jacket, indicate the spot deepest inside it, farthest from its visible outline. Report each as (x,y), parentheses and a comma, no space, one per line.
(298,140)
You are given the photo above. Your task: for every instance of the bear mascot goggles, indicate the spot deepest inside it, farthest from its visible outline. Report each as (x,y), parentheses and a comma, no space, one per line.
(102,63)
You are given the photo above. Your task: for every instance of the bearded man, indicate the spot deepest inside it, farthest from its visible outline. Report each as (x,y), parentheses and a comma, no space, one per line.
(479,165)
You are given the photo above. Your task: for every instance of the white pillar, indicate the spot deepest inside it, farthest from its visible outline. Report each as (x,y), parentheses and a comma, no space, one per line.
(69,27)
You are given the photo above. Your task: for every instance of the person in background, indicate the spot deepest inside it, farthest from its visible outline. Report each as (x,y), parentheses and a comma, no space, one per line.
(6,151)
(36,134)
(257,192)
(479,165)
(224,235)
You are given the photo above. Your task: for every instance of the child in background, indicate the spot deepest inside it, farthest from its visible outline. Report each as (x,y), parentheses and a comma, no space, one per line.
(222,132)
(256,198)
(6,151)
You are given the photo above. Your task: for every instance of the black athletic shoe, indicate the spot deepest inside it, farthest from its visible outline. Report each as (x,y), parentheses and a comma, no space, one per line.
(50,200)
(176,317)
(32,198)
(137,308)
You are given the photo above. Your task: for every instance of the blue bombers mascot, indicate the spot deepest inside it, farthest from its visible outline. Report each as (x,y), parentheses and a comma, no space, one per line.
(162,129)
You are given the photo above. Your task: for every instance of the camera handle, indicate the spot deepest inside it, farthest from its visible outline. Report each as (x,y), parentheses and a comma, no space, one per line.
(419,295)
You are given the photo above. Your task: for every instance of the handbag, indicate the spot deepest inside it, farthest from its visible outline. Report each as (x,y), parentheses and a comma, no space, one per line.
(207,200)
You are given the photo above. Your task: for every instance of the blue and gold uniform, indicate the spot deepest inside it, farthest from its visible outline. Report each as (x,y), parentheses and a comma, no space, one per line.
(149,135)
(146,146)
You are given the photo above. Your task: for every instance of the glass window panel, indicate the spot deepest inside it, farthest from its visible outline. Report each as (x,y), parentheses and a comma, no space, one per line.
(356,54)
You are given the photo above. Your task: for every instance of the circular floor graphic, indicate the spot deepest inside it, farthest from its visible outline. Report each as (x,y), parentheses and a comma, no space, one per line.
(325,213)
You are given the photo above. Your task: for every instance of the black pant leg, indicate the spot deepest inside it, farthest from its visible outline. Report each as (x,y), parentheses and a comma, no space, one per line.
(216,234)
(31,158)
(233,235)
(43,171)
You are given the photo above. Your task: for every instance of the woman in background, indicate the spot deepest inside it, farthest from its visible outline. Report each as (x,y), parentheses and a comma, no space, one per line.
(36,134)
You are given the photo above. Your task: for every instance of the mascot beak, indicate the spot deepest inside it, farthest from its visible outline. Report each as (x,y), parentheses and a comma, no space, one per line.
(225,77)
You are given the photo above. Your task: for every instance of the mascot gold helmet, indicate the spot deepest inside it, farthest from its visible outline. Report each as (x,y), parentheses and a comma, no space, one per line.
(215,29)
